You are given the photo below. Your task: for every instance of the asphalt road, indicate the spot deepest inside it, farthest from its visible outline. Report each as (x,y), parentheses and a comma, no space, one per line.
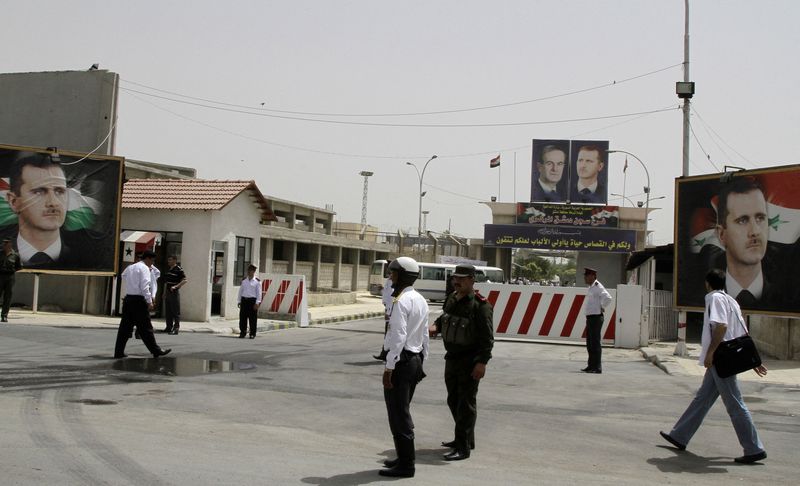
(305,406)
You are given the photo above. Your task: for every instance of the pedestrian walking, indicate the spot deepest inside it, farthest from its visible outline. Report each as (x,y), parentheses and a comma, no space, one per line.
(249,302)
(597,298)
(722,321)
(174,279)
(406,343)
(136,307)
(10,263)
(466,329)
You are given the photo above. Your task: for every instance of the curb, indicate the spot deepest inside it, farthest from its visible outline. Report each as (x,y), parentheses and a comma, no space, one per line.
(349,317)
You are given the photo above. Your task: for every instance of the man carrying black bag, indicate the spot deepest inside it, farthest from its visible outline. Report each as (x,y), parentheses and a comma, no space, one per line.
(722,321)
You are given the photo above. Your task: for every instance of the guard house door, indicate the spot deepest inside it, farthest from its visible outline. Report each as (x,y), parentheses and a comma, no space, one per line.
(217,276)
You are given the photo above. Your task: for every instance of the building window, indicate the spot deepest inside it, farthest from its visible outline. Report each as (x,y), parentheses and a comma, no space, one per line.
(244,257)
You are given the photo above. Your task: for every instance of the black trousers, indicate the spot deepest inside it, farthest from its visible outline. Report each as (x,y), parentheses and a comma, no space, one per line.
(594,325)
(172,309)
(6,288)
(462,398)
(135,314)
(248,314)
(407,373)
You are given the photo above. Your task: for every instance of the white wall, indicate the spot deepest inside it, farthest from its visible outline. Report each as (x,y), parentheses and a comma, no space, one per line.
(195,252)
(239,218)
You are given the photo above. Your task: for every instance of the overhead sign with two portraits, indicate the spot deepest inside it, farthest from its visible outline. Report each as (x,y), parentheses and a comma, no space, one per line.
(61,210)
(574,171)
(746,223)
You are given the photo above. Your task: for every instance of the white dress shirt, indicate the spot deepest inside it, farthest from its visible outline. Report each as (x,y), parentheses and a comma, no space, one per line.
(720,308)
(26,250)
(250,289)
(386,295)
(137,278)
(756,286)
(597,297)
(408,326)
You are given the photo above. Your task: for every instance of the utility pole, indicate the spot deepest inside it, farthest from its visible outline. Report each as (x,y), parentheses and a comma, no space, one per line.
(366,175)
(685,91)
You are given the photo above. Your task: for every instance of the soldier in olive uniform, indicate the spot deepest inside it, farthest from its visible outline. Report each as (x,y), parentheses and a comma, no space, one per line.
(10,262)
(466,328)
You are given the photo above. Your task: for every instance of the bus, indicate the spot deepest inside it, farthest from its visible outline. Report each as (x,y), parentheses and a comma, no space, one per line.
(432,281)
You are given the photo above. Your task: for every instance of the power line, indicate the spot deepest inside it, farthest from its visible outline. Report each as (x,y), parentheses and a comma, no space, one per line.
(438,112)
(709,127)
(401,125)
(697,140)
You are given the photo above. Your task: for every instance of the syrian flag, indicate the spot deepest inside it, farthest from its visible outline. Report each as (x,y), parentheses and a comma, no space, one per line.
(783,205)
(495,162)
(704,228)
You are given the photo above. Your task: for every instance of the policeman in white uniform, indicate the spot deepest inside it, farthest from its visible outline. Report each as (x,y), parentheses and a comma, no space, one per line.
(597,298)
(406,343)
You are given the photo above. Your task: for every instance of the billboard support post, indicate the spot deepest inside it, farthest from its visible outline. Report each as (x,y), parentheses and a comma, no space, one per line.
(35,303)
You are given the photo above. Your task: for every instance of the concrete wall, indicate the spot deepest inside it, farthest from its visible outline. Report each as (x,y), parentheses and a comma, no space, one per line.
(239,218)
(71,110)
(195,252)
(777,337)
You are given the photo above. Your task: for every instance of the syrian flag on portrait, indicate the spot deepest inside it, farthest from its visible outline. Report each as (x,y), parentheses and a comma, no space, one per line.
(495,162)
(82,210)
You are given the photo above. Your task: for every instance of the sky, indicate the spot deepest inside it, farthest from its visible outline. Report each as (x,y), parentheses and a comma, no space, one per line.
(302,95)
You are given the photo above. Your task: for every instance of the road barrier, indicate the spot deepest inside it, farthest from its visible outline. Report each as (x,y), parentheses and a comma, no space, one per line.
(284,295)
(544,313)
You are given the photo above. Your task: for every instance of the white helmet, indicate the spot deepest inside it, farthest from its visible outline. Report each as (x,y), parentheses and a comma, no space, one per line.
(406,265)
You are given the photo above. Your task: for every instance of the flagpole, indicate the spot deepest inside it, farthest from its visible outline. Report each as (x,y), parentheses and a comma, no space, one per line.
(498,182)
(624,180)
(515,178)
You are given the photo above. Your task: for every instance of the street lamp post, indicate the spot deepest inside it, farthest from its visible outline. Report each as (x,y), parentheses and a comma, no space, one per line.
(646,189)
(421,176)
(626,198)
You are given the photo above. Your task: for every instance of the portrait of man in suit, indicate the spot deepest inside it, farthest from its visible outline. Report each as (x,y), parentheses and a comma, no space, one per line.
(586,185)
(550,161)
(743,230)
(39,196)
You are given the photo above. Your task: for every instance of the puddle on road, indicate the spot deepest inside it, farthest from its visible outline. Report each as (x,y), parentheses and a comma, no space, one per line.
(179,366)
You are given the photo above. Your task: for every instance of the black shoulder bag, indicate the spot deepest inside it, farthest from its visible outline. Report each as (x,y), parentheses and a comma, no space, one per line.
(737,355)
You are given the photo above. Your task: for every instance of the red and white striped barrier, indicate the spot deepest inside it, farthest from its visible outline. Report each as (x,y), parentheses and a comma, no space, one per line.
(285,295)
(538,312)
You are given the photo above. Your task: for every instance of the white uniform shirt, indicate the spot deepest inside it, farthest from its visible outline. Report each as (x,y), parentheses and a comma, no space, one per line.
(250,289)
(720,308)
(386,295)
(408,327)
(137,278)
(597,297)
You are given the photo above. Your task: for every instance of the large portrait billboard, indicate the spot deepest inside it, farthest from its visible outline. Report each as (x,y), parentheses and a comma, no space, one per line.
(746,223)
(569,171)
(60,209)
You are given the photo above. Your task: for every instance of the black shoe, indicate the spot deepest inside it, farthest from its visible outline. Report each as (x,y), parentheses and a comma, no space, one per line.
(252,336)
(592,370)
(162,352)
(759,456)
(3,319)
(680,446)
(456,455)
(452,445)
(398,472)
(167,331)
(173,332)
(120,356)
(137,335)
(391,462)
(242,335)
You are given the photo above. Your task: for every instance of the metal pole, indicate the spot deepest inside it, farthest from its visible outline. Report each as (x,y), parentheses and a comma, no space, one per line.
(680,346)
(646,189)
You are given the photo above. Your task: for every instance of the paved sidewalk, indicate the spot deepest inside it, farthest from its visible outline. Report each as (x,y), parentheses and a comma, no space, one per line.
(661,354)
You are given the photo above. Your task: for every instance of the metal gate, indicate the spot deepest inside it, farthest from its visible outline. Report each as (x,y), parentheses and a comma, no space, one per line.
(663,318)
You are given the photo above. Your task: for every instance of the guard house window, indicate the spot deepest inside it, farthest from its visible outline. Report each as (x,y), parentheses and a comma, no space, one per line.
(244,257)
